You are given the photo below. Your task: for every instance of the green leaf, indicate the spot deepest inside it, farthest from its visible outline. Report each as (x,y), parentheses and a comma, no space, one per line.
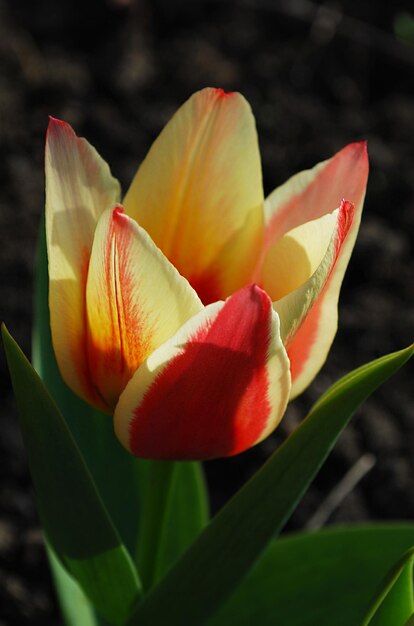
(393,601)
(72,514)
(223,554)
(120,478)
(325,578)
(174,513)
(76,608)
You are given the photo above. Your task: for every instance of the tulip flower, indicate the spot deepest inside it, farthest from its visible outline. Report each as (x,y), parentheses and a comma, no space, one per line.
(195,310)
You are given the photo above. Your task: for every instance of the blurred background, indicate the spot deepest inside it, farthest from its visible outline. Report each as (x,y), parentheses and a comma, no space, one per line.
(318,76)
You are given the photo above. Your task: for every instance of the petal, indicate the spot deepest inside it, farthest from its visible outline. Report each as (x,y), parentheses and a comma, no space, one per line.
(135,300)
(308,315)
(316,192)
(219,386)
(199,193)
(79,187)
(292,260)
(308,196)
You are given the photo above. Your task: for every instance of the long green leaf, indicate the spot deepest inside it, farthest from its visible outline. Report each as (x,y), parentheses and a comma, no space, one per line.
(73,516)
(224,553)
(393,601)
(325,578)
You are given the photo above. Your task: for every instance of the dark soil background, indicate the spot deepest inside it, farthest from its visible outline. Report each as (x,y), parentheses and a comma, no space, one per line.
(318,76)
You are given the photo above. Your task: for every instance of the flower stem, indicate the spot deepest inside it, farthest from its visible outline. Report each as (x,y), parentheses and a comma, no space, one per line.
(156,505)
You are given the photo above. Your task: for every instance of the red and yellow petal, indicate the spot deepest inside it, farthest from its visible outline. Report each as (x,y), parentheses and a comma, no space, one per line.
(79,187)
(219,386)
(199,193)
(308,315)
(313,193)
(308,196)
(135,299)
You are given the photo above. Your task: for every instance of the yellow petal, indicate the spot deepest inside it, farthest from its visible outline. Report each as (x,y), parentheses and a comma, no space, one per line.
(136,300)
(199,193)
(79,187)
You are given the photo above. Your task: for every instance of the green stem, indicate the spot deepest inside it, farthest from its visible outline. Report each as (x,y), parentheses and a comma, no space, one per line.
(154,519)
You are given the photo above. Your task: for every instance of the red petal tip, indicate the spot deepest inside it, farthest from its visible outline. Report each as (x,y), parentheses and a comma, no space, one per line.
(118,213)
(257,291)
(220,93)
(360,148)
(56,127)
(345,219)
(361,145)
(55,122)
(53,119)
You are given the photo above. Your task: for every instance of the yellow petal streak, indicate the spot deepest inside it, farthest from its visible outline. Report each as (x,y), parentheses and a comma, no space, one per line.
(136,300)
(199,192)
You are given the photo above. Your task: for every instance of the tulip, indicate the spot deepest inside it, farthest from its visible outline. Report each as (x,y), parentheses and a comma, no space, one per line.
(197,309)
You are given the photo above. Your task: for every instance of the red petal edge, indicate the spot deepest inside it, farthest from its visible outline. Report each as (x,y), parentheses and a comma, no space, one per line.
(299,352)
